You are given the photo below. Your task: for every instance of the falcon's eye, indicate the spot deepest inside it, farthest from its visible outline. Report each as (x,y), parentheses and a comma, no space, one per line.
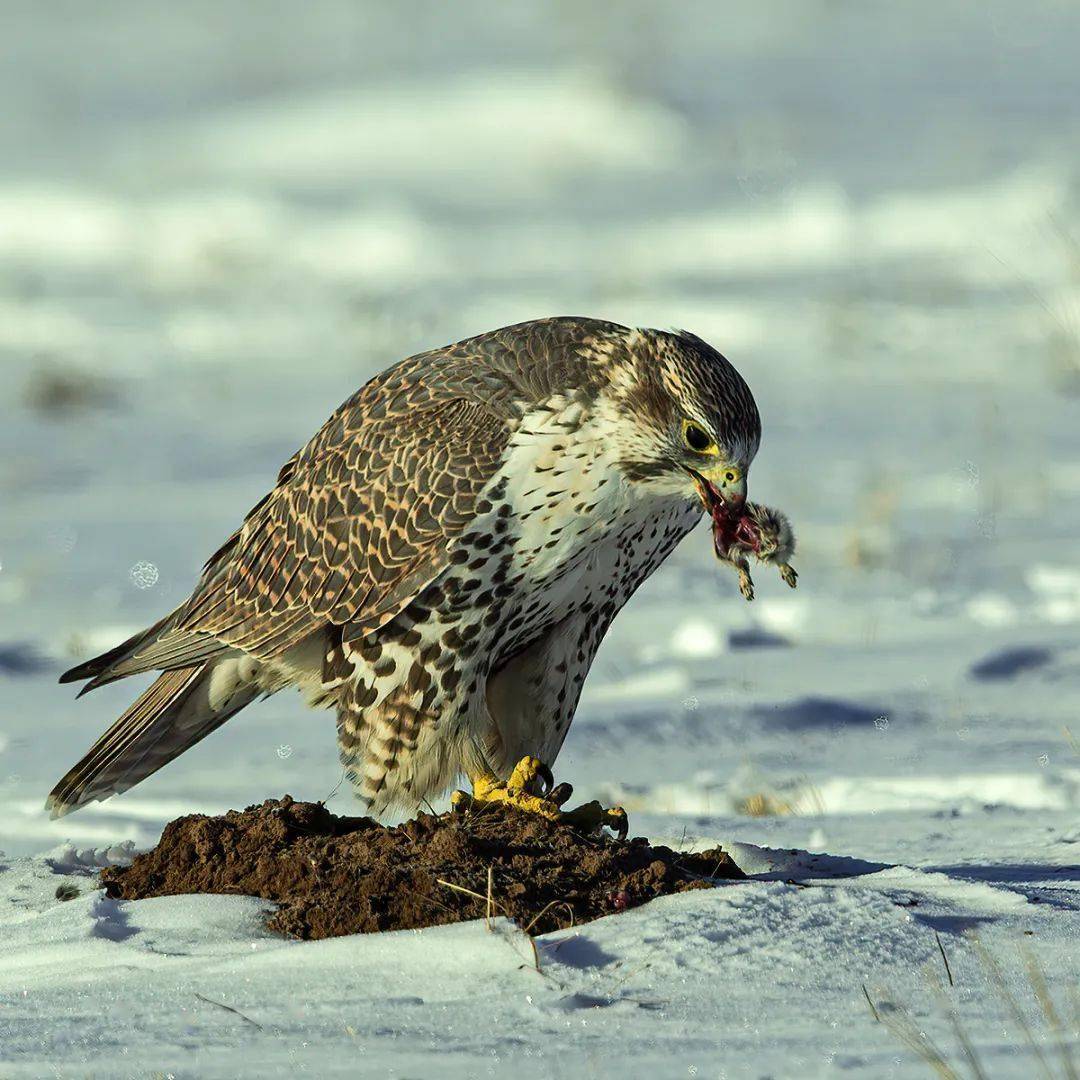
(697,438)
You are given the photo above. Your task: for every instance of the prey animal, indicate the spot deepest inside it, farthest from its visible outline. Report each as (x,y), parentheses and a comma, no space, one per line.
(762,532)
(441,561)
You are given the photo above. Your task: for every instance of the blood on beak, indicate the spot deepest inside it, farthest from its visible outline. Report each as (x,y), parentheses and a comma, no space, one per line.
(723,495)
(722,491)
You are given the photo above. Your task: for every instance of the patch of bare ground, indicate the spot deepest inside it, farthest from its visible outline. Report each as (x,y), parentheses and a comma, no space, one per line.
(334,875)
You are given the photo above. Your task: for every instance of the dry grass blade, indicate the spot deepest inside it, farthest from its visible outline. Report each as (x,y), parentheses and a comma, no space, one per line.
(489,909)
(944,958)
(1037,978)
(1070,738)
(334,789)
(1074,1005)
(468,892)
(764,804)
(491,906)
(993,970)
(795,797)
(904,1028)
(229,1008)
(899,1023)
(817,802)
(1063,323)
(966,1046)
(546,908)
(958,1028)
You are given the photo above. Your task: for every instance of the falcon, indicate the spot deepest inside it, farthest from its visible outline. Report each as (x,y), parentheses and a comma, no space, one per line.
(440,563)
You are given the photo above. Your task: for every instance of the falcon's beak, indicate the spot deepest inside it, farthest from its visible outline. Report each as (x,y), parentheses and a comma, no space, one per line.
(722,489)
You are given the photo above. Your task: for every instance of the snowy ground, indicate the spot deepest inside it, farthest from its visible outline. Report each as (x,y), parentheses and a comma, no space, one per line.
(213,227)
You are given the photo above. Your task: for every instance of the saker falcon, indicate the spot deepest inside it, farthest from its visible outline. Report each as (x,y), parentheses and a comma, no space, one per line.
(440,563)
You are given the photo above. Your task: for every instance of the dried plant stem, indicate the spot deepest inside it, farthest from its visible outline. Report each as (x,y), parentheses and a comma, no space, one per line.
(899,1023)
(547,907)
(998,979)
(467,892)
(1037,978)
(944,958)
(229,1008)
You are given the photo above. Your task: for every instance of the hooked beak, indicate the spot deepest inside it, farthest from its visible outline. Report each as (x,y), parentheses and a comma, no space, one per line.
(722,489)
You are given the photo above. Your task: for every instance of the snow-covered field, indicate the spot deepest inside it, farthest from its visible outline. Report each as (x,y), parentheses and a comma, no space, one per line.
(216,222)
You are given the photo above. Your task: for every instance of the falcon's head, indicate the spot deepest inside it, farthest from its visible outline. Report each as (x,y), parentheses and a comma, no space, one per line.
(688,423)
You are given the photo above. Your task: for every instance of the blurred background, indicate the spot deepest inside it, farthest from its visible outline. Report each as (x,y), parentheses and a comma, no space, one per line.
(218,220)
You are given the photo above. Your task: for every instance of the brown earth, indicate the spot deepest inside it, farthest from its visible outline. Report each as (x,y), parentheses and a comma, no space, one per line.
(338,875)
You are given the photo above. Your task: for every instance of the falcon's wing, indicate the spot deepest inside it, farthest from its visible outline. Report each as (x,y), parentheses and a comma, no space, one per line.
(364,516)
(361,520)
(357,529)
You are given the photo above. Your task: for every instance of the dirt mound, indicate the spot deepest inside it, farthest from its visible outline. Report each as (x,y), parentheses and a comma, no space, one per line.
(338,875)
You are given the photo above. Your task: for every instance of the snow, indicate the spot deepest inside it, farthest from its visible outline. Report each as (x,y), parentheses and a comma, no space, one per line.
(218,223)
(748,979)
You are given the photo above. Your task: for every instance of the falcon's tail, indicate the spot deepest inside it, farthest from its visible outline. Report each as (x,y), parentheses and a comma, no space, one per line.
(161,647)
(174,713)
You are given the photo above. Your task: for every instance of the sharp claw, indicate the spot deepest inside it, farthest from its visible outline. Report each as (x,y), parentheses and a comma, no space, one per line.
(560,794)
(546,778)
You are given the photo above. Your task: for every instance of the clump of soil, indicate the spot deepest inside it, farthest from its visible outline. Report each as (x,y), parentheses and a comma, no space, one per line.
(338,875)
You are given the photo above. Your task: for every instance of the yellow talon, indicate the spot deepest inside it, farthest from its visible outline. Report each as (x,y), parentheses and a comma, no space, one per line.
(529,776)
(591,816)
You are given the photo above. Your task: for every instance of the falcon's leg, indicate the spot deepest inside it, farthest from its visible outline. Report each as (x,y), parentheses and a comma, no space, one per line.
(530,789)
(529,701)
(526,789)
